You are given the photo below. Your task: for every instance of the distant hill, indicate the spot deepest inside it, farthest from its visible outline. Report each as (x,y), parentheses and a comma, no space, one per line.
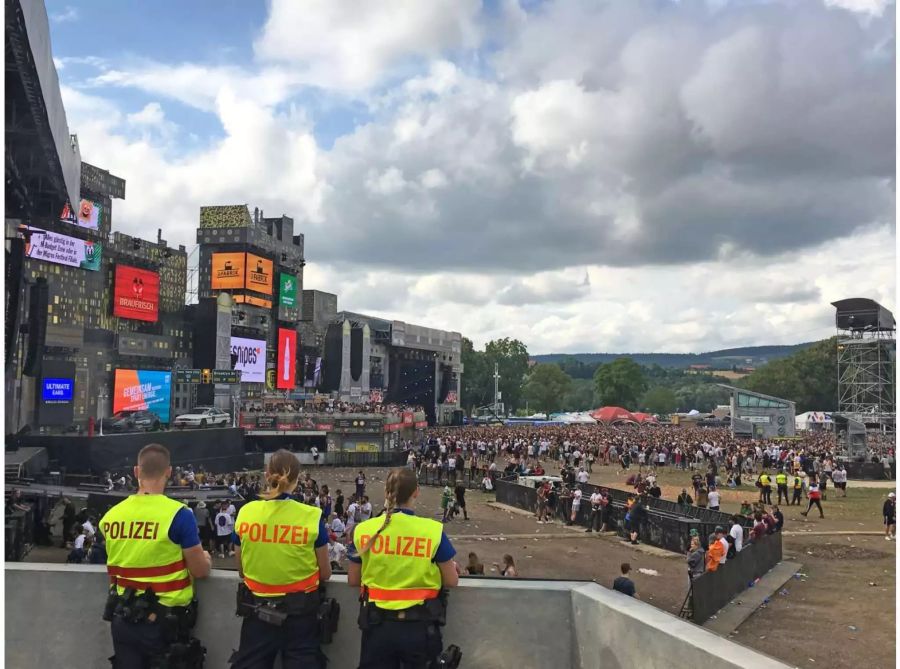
(747,356)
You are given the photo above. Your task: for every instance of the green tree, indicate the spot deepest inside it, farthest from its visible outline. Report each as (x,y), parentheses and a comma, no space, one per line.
(512,358)
(659,400)
(546,388)
(809,377)
(580,396)
(620,383)
(477,379)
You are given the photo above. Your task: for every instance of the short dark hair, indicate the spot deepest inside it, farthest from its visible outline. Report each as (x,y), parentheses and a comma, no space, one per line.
(153,460)
(625,567)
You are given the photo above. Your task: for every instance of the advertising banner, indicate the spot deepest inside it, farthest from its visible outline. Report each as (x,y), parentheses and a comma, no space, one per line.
(63,250)
(137,389)
(136,294)
(251,359)
(56,391)
(228,270)
(87,216)
(255,301)
(287,359)
(287,290)
(259,274)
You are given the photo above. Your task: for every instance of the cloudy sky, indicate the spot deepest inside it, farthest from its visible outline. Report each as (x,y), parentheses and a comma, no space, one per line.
(625,176)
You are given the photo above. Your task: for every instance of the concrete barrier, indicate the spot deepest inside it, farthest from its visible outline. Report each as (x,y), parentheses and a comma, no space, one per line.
(53,617)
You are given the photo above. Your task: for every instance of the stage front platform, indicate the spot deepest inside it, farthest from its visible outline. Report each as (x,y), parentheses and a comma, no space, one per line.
(215,449)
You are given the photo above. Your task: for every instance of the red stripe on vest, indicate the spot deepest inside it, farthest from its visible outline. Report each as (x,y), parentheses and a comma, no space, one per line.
(381,595)
(138,572)
(166,586)
(306,585)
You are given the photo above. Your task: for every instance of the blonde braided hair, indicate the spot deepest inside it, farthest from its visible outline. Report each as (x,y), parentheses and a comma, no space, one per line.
(398,489)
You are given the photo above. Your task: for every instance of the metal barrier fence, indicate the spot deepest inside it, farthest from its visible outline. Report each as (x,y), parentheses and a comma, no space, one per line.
(714,589)
(366,459)
(472,479)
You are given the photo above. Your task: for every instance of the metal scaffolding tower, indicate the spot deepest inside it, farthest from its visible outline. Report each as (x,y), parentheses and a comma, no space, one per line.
(866,356)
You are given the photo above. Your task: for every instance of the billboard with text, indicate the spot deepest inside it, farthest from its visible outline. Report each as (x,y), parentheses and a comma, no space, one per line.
(259,274)
(138,389)
(63,250)
(228,270)
(287,290)
(136,294)
(251,359)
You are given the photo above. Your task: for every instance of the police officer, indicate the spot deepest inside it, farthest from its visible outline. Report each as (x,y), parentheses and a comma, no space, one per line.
(781,481)
(282,552)
(402,563)
(154,553)
(798,490)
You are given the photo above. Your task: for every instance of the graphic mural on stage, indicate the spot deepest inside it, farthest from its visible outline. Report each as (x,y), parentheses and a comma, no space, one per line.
(136,389)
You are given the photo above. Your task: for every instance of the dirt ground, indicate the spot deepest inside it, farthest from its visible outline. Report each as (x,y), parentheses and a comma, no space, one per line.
(840,613)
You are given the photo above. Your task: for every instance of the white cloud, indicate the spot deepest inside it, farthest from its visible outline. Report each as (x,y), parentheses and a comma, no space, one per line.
(67,15)
(349,45)
(614,177)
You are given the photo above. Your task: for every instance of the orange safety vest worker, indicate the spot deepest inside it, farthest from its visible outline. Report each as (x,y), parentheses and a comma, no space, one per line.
(278,540)
(398,569)
(140,553)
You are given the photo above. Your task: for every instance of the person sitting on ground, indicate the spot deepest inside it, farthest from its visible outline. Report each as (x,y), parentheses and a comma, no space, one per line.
(475,567)
(509,567)
(624,584)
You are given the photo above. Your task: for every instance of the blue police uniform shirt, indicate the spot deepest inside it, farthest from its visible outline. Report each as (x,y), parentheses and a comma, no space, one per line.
(321,539)
(444,552)
(183,530)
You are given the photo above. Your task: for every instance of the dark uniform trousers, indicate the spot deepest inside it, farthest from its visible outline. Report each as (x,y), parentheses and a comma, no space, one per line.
(400,645)
(297,639)
(136,645)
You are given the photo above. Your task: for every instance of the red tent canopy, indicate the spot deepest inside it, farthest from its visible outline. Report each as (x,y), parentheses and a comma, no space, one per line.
(644,417)
(612,415)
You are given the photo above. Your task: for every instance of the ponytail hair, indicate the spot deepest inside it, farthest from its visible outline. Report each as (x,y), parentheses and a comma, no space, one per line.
(398,489)
(282,473)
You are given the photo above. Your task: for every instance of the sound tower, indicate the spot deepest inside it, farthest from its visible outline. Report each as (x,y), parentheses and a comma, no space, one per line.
(37,326)
(446,377)
(356,353)
(331,374)
(14,263)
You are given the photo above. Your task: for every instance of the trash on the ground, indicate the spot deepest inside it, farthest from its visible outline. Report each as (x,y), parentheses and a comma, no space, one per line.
(872,583)
(852,628)
(782,592)
(648,572)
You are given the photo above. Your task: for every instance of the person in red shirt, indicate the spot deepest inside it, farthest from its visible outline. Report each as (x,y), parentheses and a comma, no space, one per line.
(815,498)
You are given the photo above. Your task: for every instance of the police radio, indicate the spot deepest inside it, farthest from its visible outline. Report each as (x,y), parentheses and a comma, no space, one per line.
(450,658)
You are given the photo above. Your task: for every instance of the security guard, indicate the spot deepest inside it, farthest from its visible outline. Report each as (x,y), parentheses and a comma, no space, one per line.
(781,481)
(154,552)
(401,563)
(765,487)
(282,552)
(798,490)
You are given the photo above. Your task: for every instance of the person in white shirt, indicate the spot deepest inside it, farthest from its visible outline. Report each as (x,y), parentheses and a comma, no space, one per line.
(365,511)
(337,526)
(224,528)
(576,505)
(232,511)
(714,499)
(582,476)
(722,540)
(337,553)
(486,484)
(737,533)
(89,528)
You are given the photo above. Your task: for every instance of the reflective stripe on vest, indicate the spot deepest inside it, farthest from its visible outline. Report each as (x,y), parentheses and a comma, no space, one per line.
(140,554)
(398,568)
(278,553)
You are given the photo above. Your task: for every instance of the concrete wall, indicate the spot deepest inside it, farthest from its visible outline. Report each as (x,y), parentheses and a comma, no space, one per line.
(499,624)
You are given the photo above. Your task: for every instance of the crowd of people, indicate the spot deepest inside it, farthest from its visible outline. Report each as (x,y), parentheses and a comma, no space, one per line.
(328,406)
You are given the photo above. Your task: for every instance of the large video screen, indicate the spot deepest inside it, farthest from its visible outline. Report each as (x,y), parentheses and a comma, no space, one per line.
(57,393)
(259,274)
(287,290)
(287,359)
(136,294)
(87,215)
(55,390)
(228,270)
(251,359)
(137,389)
(63,250)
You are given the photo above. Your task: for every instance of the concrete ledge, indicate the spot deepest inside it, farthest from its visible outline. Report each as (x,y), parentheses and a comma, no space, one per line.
(733,614)
(55,610)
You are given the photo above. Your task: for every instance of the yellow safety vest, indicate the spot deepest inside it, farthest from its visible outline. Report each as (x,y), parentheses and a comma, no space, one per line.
(398,570)
(764,480)
(278,553)
(140,554)
(798,483)
(781,479)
